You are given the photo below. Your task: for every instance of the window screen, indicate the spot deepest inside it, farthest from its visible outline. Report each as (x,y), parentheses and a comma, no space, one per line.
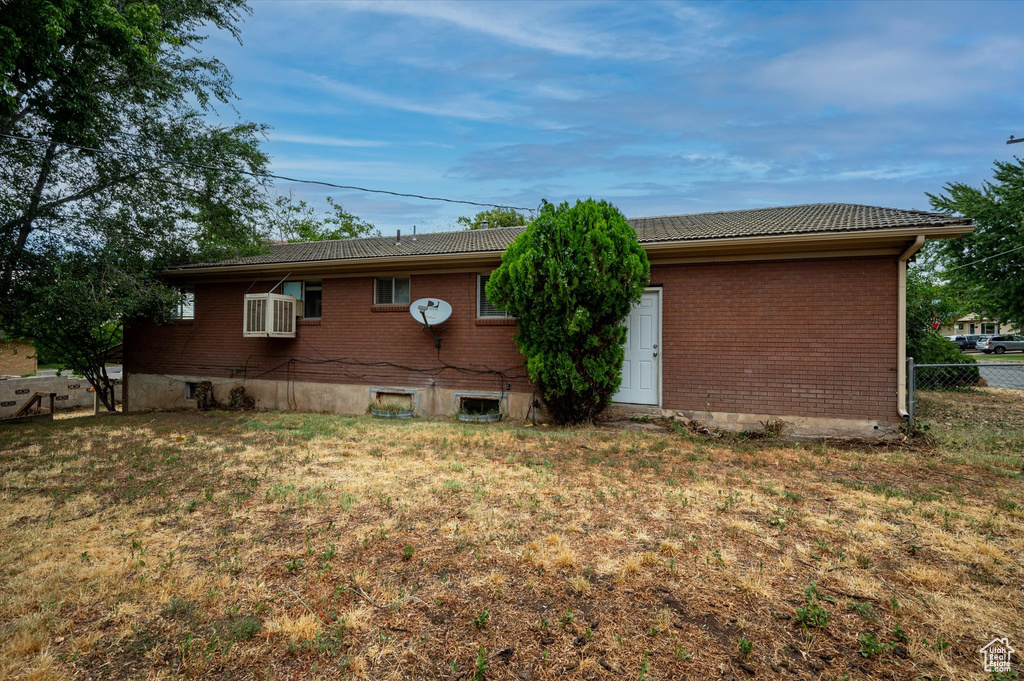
(391,291)
(486,308)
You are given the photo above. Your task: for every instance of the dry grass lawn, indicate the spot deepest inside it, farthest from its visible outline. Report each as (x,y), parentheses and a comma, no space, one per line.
(303,546)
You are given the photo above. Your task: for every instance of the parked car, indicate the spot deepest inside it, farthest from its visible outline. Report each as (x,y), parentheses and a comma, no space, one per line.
(966,341)
(962,341)
(1000,344)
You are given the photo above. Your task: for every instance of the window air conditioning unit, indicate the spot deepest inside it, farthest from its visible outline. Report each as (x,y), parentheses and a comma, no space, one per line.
(269,315)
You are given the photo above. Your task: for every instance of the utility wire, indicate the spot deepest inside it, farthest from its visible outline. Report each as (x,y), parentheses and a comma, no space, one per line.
(273,176)
(960,267)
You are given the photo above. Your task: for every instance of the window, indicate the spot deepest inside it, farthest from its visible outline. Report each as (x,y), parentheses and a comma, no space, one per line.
(310,293)
(391,291)
(960,327)
(312,299)
(989,329)
(484,307)
(186,307)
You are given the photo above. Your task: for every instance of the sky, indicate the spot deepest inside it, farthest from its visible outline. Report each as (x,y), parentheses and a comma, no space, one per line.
(659,107)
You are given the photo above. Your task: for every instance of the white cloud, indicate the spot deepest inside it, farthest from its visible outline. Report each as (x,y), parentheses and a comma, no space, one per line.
(470,107)
(904,65)
(519,26)
(324,140)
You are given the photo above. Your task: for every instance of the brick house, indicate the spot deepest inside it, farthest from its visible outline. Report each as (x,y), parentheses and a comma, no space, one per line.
(750,315)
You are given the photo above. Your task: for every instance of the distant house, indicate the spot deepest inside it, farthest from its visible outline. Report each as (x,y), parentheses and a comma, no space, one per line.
(750,315)
(976,324)
(17,358)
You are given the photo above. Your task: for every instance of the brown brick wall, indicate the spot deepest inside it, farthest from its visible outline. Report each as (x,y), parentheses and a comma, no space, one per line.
(16,359)
(351,343)
(808,338)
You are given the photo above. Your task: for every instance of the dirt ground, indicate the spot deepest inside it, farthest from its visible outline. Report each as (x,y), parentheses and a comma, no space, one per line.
(300,546)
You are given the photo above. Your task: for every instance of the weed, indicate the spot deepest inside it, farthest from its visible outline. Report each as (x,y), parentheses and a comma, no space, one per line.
(863,609)
(480,621)
(870,646)
(178,607)
(407,553)
(480,670)
(746,647)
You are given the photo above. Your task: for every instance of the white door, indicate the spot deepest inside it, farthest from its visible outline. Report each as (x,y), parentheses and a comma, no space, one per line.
(641,370)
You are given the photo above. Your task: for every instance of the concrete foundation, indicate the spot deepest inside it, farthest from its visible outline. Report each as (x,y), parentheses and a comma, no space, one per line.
(152,391)
(809,427)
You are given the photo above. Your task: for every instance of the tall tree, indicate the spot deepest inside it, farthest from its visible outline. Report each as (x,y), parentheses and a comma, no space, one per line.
(570,280)
(988,262)
(294,220)
(133,173)
(494,217)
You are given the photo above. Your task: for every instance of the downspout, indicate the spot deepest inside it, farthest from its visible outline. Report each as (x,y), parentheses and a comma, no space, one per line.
(901,327)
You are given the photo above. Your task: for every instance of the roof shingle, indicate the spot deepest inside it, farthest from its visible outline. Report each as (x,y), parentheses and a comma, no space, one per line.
(787,220)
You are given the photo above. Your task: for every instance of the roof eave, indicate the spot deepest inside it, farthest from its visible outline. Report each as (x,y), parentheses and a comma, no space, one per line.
(819,241)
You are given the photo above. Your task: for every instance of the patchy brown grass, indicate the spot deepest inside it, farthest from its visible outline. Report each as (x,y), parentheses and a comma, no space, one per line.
(311,546)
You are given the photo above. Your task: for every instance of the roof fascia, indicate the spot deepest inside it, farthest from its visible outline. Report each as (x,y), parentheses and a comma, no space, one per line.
(818,243)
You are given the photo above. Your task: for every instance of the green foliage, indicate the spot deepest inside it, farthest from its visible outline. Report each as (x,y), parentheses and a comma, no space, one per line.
(570,280)
(76,317)
(929,299)
(296,221)
(813,614)
(870,646)
(997,209)
(84,235)
(494,217)
(480,621)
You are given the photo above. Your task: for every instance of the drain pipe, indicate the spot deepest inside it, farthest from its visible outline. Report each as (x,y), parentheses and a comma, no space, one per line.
(901,328)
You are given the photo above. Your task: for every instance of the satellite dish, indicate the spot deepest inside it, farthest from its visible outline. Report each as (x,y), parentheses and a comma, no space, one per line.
(430,311)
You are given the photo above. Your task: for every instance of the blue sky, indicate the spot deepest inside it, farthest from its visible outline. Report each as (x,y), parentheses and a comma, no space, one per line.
(659,107)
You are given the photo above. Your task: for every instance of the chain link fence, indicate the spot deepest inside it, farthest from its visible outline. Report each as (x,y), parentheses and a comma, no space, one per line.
(963,377)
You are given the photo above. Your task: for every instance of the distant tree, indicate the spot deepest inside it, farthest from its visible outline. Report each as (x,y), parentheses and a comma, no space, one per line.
(979,262)
(295,220)
(494,217)
(570,280)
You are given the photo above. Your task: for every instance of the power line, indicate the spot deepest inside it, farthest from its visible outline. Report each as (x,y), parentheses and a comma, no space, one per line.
(273,176)
(960,267)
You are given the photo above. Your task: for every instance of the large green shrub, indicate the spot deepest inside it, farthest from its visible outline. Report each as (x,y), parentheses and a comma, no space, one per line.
(927,300)
(570,280)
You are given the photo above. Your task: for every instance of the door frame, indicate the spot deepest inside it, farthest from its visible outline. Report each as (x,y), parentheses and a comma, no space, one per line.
(661,346)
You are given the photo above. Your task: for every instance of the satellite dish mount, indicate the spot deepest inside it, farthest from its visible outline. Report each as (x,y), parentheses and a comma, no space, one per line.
(431,311)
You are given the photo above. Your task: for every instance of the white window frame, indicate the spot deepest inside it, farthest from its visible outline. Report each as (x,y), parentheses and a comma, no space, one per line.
(274,316)
(393,301)
(186,308)
(480,297)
